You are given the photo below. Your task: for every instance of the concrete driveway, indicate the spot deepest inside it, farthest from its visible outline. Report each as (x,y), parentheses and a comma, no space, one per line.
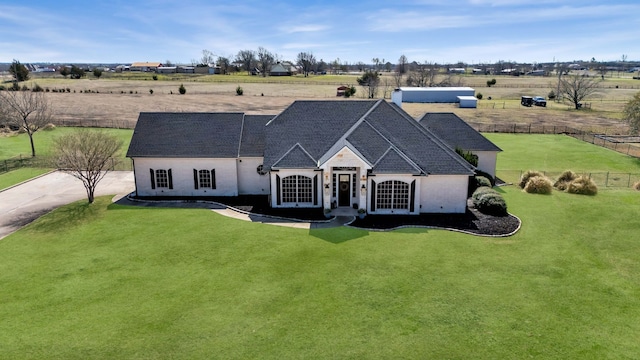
(24,203)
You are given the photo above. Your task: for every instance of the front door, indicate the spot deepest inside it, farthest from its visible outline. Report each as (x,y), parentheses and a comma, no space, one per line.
(344,190)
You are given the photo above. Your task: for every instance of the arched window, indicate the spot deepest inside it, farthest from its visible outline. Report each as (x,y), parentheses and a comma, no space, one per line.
(392,194)
(297,189)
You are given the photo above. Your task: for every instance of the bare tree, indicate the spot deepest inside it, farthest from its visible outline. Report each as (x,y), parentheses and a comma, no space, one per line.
(247,58)
(576,88)
(265,60)
(225,64)
(207,57)
(387,87)
(632,114)
(27,110)
(424,75)
(307,62)
(402,64)
(86,155)
(397,78)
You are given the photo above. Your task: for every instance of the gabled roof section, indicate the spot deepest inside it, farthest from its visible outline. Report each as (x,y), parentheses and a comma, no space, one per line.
(186,135)
(252,140)
(369,142)
(414,142)
(296,157)
(315,125)
(394,163)
(455,132)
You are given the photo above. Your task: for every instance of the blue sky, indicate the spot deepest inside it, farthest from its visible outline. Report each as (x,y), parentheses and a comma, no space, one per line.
(438,31)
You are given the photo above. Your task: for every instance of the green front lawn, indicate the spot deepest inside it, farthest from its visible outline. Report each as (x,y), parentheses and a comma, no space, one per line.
(17,176)
(110,281)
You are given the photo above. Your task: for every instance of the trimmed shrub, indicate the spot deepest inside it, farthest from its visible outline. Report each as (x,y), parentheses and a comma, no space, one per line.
(527,175)
(151,91)
(486,175)
(482,181)
(492,204)
(37,88)
(468,156)
(479,96)
(582,185)
(182,89)
(538,185)
(481,191)
(155,77)
(564,179)
(636,185)
(239,91)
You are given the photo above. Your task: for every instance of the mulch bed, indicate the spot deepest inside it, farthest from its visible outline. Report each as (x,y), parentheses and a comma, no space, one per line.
(472,221)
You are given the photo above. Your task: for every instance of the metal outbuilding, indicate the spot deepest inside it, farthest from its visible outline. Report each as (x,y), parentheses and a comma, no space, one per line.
(470,102)
(430,94)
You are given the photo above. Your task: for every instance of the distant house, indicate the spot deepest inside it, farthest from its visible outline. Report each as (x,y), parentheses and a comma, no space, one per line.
(166,69)
(457,70)
(186,69)
(145,66)
(537,73)
(279,70)
(456,133)
(315,154)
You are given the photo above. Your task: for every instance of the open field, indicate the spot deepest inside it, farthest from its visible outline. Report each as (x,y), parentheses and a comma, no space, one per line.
(120,98)
(109,281)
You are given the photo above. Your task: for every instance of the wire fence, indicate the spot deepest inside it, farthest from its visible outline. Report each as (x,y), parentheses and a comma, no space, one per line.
(622,144)
(48,162)
(602,179)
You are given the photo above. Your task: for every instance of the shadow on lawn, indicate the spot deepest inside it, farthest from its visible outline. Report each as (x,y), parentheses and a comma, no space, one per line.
(337,235)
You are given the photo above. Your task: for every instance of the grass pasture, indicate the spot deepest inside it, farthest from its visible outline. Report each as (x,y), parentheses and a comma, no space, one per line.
(118,98)
(109,281)
(18,144)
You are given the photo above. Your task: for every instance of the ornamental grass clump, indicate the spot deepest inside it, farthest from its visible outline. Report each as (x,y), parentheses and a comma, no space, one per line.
(582,185)
(527,175)
(564,180)
(538,185)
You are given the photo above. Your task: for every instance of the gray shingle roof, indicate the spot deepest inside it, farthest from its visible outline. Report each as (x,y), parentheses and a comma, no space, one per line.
(393,163)
(296,157)
(372,127)
(455,132)
(186,135)
(315,125)
(252,141)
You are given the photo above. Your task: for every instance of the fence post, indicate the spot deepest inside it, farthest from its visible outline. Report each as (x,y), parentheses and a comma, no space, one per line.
(606,181)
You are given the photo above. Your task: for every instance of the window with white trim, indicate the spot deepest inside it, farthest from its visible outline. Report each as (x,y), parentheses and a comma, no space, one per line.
(204,179)
(392,194)
(161,178)
(297,189)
